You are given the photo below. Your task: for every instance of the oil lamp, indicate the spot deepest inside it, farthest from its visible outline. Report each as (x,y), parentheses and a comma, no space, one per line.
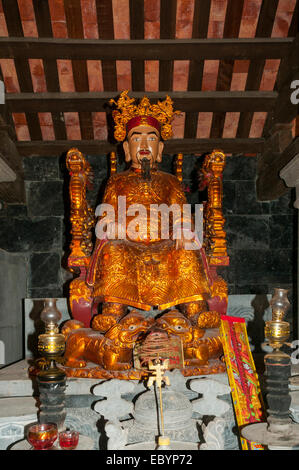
(279,432)
(51,344)
(277,330)
(51,380)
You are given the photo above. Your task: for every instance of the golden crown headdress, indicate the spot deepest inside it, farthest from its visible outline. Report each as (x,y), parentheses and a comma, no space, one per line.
(129,114)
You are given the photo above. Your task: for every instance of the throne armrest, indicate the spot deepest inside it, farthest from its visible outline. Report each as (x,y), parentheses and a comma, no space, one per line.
(81,214)
(214,234)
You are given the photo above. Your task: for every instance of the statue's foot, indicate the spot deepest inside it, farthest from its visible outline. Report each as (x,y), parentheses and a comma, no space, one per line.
(192,310)
(77,363)
(111,313)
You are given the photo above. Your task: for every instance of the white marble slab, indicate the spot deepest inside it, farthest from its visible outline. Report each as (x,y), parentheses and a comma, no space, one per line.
(15,382)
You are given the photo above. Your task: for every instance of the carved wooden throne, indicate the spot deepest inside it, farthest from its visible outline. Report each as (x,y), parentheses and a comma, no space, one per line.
(214,252)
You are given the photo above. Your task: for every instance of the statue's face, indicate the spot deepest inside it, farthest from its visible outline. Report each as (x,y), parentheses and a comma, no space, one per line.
(143,142)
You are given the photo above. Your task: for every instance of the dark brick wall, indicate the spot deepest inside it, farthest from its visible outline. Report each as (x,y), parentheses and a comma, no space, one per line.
(260,234)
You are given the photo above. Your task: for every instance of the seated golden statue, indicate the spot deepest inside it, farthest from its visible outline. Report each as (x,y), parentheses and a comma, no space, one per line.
(136,263)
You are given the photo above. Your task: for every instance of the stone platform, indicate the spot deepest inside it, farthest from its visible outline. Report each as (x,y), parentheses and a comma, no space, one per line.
(16,388)
(16,414)
(85,443)
(87,405)
(90,403)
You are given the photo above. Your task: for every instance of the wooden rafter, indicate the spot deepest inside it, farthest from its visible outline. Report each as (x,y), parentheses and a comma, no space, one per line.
(106,34)
(167,31)
(232,24)
(195,49)
(44,28)
(137,50)
(137,32)
(284,66)
(217,101)
(75,29)
(256,66)
(200,30)
(14,27)
(173,146)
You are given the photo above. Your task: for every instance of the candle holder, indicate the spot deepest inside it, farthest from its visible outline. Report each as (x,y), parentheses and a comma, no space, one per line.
(279,431)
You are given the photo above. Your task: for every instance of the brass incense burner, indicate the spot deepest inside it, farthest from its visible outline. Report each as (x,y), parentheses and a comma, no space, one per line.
(277,330)
(51,344)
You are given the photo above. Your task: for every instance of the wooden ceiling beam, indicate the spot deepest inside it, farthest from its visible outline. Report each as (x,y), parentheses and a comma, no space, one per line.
(144,49)
(285,66)
(167,31)
(190,101)
(106,34)
(136,8)
(44,28)
(280,147)
(14,27)
(257,65)
(74,24)
(232,24)
(173,146)
(200,28)
(104,10)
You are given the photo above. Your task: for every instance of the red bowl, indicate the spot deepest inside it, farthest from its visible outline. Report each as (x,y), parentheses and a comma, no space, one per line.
(42,436)
(68,440)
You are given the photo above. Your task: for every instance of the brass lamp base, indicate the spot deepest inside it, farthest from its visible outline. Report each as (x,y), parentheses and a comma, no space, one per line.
(51,375)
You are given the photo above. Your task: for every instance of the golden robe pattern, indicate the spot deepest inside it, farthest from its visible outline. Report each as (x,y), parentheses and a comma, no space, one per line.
(147,271)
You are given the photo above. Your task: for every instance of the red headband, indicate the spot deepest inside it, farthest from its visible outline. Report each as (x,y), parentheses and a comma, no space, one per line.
(143,120)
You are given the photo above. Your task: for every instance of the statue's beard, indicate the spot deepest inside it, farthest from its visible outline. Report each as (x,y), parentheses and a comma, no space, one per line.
(145,169)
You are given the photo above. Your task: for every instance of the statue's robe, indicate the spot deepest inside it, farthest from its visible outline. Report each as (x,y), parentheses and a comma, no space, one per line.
(148,271)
